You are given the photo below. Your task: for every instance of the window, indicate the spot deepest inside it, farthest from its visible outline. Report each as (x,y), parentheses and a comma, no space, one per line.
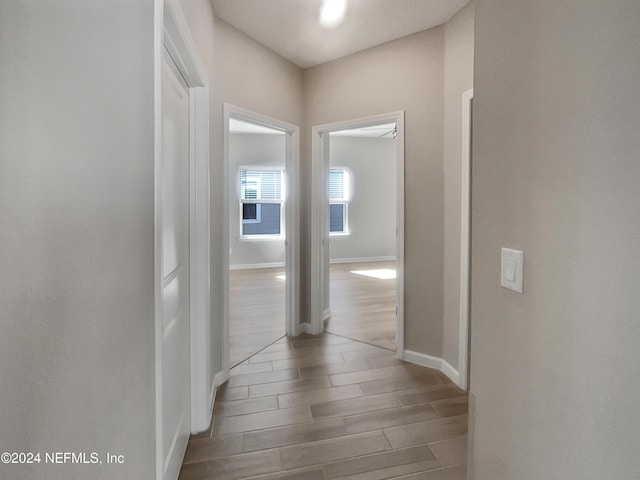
(261,202)
(338,201)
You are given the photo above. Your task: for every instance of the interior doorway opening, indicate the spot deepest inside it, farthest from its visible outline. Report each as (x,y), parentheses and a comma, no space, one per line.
(256,237)
(362,234)
(357,278)
(261,293)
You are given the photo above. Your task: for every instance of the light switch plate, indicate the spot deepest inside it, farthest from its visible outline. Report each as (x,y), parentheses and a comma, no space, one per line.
(512,269)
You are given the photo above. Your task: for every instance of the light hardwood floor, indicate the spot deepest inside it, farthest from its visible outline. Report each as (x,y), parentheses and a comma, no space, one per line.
(256,310)
(362,307)
(327,407)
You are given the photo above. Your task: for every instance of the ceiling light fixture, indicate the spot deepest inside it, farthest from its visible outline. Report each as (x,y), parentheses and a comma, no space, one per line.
(332,12)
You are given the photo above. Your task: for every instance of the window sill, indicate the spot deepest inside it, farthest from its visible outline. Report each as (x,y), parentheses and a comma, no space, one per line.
(260,238)
(339,234)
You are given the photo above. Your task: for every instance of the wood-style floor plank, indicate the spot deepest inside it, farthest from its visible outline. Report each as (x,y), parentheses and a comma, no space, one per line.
(392,417)
(451,452)
(256,310)
(380,465)
(295,434)
(427,432)
(288,386)
(233,467)
(448,473)
(201,450)
(262,420)
(321,395)
(325,451)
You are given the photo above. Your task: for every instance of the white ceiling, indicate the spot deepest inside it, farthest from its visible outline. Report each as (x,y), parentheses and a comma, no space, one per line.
(291,28)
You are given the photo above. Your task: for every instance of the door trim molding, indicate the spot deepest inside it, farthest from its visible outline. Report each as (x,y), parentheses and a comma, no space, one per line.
(320,168)
(465,242)
(292,251)
(172,32)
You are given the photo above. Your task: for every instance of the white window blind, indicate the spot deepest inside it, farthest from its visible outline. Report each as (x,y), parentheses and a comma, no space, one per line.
(261,184)
(338,201)
(338,186)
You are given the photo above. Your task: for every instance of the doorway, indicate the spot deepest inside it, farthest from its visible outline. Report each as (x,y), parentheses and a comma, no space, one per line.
(362,234)
(261,292)
(358,239)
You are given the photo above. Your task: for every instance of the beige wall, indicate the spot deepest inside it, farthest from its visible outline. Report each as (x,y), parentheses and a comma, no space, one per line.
(406,74)
(458,78)
(371,213)
(76,230)
(554,371)
(252,150)
(250,76)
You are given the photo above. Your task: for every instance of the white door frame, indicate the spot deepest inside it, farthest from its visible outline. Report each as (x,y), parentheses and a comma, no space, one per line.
(465,241)
(172,32)
(292,252)
(319,215)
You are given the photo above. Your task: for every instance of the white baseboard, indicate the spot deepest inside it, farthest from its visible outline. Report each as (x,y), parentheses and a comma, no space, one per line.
(306,328)
(436,363)
(450,372)
(218,380)
(251,266)
(326,314)
(362,259)
(422,359)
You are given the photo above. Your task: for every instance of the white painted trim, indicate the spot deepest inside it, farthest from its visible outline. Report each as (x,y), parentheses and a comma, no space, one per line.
(158,49)
(181,46)
(171,31)
(422,359)
(450,372)
(319,227)
(304,328)
(226,366)
(251,266)
(292,250)
(200,269)
(362,259)
(430,361)
(219,378)
(326,314)
(319,207)
(465,242)
(400,136)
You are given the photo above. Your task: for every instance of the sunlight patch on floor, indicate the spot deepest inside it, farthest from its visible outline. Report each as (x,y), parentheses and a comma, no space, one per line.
(381,273)
(281,277)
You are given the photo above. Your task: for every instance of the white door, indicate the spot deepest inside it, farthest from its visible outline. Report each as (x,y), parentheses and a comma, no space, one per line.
(175,406)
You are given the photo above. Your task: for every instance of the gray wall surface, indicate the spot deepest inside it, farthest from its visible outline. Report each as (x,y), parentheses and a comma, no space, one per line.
(406,74)
(76,235)
(458,78)
(554,371)
(251,150)
(372,209)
